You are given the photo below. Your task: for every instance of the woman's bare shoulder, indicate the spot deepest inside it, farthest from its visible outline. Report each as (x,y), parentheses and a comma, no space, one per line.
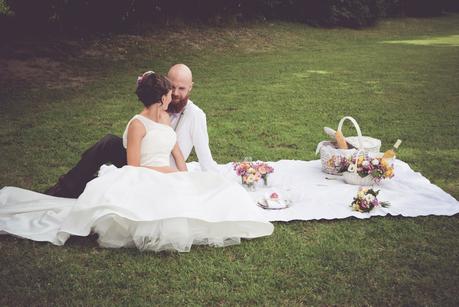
(136,126)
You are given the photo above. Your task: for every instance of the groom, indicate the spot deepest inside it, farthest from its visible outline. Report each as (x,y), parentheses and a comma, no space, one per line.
(187,119)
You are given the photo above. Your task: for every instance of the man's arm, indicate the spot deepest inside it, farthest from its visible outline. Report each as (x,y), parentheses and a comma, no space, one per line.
(201,143)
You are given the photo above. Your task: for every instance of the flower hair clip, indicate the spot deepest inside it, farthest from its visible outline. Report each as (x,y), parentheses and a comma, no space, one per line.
(145,74)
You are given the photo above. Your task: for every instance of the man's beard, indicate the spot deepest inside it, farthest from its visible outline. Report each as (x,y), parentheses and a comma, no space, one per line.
(177,107)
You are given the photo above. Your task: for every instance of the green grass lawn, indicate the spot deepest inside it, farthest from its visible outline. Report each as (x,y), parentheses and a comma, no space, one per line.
(267,90)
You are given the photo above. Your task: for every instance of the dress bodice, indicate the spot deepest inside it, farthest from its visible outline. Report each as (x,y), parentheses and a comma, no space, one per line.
(157,144)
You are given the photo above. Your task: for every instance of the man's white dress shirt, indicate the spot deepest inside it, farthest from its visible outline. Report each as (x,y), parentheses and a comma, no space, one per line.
(191,129)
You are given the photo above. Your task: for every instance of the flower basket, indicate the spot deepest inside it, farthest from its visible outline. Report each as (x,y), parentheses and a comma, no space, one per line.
(355,179)
(365,170)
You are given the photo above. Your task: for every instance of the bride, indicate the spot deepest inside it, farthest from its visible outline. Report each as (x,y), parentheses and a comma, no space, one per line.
(146,204)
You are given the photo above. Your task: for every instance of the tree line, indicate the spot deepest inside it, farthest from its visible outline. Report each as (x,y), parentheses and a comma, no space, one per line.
(87,16)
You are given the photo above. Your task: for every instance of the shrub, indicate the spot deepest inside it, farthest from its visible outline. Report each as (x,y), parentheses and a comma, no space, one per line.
(109,15)
(418,8)
(4,9)
(349,13)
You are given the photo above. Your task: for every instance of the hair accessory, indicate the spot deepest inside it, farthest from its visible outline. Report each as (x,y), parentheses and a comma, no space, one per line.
(145,74)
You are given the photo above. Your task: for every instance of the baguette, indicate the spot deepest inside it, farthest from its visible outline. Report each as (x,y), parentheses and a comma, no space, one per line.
(340,140)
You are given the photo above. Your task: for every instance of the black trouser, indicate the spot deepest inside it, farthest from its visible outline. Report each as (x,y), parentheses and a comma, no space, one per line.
(109,149)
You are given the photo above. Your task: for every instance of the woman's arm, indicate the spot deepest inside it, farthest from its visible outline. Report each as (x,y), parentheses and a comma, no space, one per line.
(163,169)
(136,132)
(178,157)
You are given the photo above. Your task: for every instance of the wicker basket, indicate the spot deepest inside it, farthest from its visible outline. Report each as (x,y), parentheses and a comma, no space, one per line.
(354,178)
(331,157)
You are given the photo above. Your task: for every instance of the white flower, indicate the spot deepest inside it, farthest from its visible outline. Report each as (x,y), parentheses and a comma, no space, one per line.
(250,179)
(361,193)
(369,198)
(365,163)
(375,161)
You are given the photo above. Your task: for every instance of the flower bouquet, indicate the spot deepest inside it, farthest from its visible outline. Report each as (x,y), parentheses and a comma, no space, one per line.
(366,200)
(365,170)
(264,170)
(252,172)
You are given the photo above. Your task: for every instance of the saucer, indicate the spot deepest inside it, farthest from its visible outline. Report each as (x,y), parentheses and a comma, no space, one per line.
(267,202)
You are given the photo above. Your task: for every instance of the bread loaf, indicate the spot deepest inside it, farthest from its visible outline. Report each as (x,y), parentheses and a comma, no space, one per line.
(340,140)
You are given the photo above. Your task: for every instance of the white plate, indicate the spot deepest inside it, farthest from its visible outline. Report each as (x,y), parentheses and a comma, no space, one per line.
(273,204)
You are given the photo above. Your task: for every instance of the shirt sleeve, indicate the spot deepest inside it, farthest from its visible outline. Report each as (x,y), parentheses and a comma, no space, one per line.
(201,143)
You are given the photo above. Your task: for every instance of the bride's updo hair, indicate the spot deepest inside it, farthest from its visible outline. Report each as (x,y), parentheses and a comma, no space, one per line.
(151,87)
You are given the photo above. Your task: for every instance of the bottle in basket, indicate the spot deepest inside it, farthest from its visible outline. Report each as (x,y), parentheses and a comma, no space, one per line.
(390,154)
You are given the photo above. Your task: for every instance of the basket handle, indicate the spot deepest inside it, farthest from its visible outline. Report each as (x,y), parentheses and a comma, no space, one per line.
(357,127)
(354,165)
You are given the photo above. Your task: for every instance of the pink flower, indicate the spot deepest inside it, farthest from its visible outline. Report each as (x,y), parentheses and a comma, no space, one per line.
(262,169)
(252,172)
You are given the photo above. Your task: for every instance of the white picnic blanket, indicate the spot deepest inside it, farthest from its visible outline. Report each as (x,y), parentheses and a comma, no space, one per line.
(315,197)
(39,217)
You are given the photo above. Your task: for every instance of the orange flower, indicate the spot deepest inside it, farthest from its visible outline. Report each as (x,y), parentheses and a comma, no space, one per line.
(384,163)
(389,172)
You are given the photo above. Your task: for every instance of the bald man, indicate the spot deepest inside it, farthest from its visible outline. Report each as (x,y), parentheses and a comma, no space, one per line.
(187,119)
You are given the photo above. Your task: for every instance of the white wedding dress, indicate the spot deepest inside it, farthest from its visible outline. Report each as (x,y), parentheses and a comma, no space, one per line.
(140,207)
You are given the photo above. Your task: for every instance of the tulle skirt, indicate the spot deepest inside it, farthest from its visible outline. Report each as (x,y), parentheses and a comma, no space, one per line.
(139,207)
